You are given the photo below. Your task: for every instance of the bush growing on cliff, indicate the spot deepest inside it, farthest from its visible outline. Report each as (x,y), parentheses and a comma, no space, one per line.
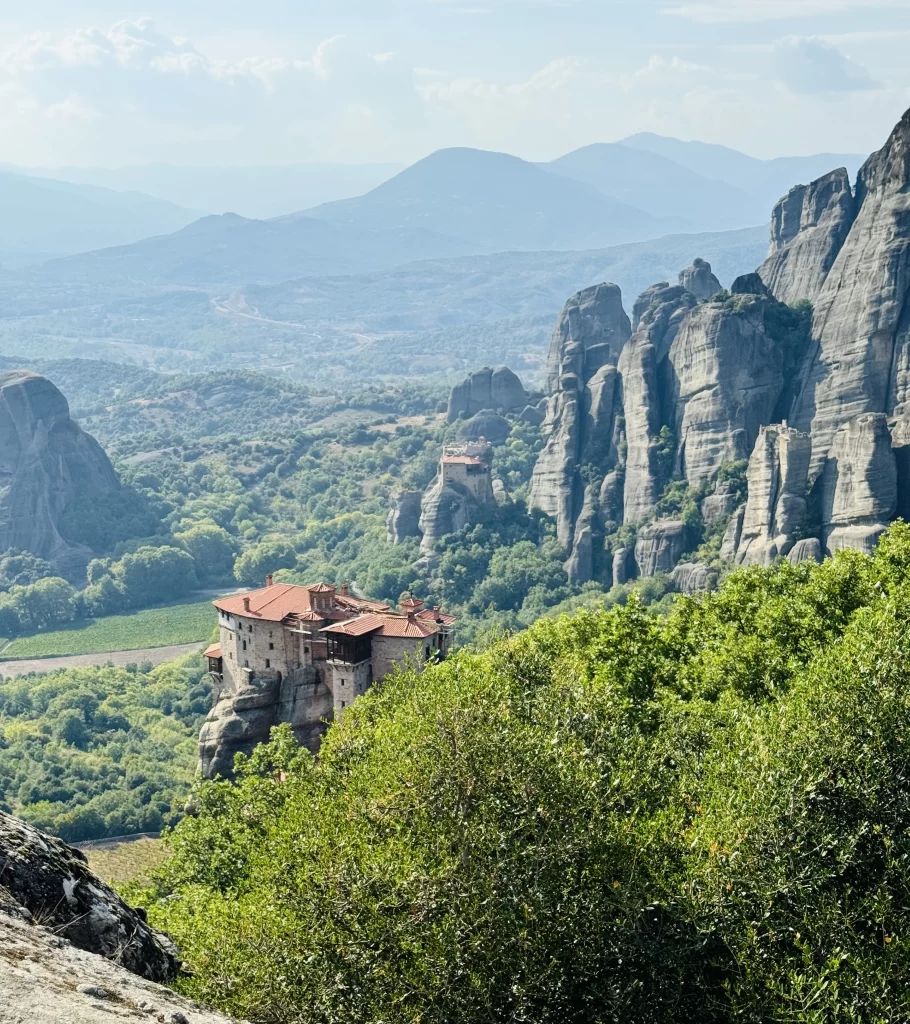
(611,817)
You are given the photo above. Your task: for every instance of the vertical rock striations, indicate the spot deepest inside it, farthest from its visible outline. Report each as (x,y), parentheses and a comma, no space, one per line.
(490,388)
(776,508)
(808,229)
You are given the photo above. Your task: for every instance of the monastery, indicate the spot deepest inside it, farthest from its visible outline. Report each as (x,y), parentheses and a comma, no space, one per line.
(301,655)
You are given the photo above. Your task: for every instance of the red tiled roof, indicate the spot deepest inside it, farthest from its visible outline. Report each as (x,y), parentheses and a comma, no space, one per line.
(270,603)
(462,460)
(384,625)
(430,616)
(212,651)
(321,588)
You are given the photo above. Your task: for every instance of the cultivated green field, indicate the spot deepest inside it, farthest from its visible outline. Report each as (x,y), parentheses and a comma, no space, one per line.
(182,623)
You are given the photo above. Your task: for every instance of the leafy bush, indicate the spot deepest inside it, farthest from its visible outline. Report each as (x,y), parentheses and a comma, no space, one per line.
(610,817)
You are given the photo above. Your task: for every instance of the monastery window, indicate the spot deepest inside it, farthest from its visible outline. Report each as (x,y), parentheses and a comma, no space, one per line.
(306,650)
(271,647)
(246,664)
(244,644)
(268,664)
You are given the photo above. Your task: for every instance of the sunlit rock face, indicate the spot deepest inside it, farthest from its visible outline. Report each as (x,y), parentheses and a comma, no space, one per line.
(48,466)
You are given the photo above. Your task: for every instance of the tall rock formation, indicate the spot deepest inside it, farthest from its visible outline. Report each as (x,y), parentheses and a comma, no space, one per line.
(490,388)
(403,520)
(581,413)
(860,361)
(727,375)
(808,229)
(51,471)
(699,281)
(776,507)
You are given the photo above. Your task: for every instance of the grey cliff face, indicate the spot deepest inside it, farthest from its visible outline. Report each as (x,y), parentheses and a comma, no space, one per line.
(47,465)
(594,325)
(699,281)
(808,229)
(776,507)
(659,546)
(694,578)
(485,425)
(859,363)
(43,878)
(859,484)
(490,388)
(403,520)
(728,376)
(581,413)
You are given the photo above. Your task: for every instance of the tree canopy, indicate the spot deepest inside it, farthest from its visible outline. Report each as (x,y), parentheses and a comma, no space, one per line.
(614,816)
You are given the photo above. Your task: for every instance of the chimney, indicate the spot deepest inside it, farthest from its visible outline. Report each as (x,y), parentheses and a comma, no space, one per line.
(344,590)
(246,604)
(268,580)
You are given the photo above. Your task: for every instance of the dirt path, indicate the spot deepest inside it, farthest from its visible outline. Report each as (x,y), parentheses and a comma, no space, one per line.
(156,655)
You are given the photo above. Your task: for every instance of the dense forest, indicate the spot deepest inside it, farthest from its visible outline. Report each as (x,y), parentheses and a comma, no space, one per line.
(612,816)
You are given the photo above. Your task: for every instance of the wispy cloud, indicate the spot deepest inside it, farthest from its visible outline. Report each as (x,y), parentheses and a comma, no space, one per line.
(812,65)
(718,11)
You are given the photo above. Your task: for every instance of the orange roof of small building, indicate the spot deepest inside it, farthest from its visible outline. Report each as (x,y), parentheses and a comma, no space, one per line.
(435,615)
(212,651)
(321,588)
(385,625)
(462,460)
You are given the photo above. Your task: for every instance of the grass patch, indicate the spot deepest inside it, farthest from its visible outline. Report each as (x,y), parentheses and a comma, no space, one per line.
(126,862)
(182,623)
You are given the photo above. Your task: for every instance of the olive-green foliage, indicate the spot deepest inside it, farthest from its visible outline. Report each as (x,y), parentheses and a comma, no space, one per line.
(93,752)
(612,817)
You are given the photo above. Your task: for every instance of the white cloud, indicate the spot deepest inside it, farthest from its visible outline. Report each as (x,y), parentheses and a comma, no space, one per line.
(810,65)
(716,11)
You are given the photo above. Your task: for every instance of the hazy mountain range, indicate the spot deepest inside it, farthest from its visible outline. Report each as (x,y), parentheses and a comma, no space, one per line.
(453,202)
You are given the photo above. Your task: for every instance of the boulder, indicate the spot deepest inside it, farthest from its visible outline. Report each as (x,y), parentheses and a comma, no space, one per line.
(42,879)
(694,577)
(776,507)
(749,284)
(807,550)
(699,281)
(490,388)
(403,520)
(659,546)
(485,425)
(51,472)
(808,229)
(533,414)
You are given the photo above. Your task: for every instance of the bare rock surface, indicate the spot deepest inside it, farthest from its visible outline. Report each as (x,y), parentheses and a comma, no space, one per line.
(403,520)
(44,979)
(694,578)
(808,229)
(776,507)
(594,326)
(699,280)
(496,388)
(659,546)
(729,377)
(807,550)
(43,879)
(48,467)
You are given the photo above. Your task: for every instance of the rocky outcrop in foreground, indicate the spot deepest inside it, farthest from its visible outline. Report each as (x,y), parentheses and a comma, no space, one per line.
(70,948)
(49,468)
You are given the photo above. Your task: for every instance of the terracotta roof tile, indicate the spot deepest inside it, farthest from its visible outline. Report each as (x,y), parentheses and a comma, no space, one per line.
(462,460)
(321,588)
(271,604)
(212,651)
(384,625)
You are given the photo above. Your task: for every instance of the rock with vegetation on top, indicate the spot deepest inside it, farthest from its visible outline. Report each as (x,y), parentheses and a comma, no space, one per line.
(485,425)
(490,388)
(694,577)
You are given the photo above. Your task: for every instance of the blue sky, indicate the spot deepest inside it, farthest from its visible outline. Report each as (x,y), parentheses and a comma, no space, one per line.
(278,81)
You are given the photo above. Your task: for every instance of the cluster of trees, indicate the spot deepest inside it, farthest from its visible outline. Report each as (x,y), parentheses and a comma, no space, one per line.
(617,816)
(93,752)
